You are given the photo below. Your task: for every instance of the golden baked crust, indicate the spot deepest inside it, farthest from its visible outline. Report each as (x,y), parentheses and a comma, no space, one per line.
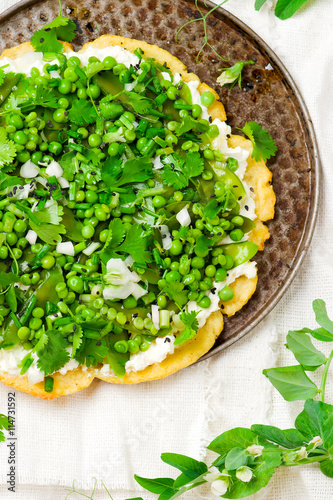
(257,175)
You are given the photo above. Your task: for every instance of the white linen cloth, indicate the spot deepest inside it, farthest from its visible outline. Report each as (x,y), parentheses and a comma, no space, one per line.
(112,432)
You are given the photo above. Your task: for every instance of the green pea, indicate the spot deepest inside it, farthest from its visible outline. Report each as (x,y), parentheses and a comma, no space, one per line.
(93,91)
(25,279)
(196,111)
(101,215)
(238,220)
(63,102)
(88,232)
(109,62)
(236,234)
(70,74)
(121,346)
(75,283)
(118,68)
(133,347)
(60,115)
(213,131)
(205,302)
(35,323)
(65,86)
(144,346)
(98,303)
(95,140)
(207,175)
(112,313)
(73,61)
(36,157)
(82,93)
(187,145)
(23,333)
(16,121)
(11,239)
(198,262)
(172,93)
(121,318)
(220,275)
(173,276)
(176,247)
(130,302)
(207,98)
(141,143)
(188,279)
(20,226)
(91,196)
(48,261)
(159,201)
(138,323)
(226,293)
(210,271)
(43,146)
(113,149)
(38,312)
(174,266)
(20,137)
(55,148)
(17,252)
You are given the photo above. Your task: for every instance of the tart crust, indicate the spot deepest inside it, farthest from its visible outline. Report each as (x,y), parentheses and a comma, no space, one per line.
(257,175)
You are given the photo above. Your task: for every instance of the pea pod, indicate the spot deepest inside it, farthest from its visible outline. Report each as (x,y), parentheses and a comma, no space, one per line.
(247,225)
(11,299)
(109,83)
(185,93)
(11,80)
(220,174)
(73,226)
(240,252)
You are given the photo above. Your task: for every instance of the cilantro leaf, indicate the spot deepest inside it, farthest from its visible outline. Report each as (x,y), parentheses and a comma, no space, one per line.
(91,352)
(77,339)
(51,214)
(263,144)
(202,245)
(136,244)
(135,170)
(49,233)
(178,172)
(8,181)
(68,165)
(175,291)
(140,104)
(188,123)
(46,98)
(191,326)
(46,41)
(53,356)
(14,103)
(7,279)
(116,234)
(287,8)
(212,209)
(82,112)
(7,152)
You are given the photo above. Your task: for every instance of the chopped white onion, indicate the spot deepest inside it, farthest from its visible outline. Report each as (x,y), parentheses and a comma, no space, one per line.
(129,260)
(63,182)
(157,164)
(29,170)
(66,248)
(91,248)
(35,375)
(130,86)
(155,316)
(166,237)
(183,217)
(54,74)
(31,237)
(54,169)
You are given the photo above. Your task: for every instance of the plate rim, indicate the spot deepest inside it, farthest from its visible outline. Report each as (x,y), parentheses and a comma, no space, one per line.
(310,223)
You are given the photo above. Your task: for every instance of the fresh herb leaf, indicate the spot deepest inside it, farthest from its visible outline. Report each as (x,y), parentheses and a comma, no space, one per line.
(51,214)
(303,349)
(189,319)
(54,355)
(202,245)
(65,28)
(46,98)
(288,438)
(116,174)
(7,279)
(175,291)
(284,9)
(259,3)
(178,172)
(91,352)
(7,152)
(136,244)
(87,168)
(46,41)
(68,165)
(319,308)
(140,104)
(49,233)
(82,112)
(77,339)
(115,236)
(316,420)
(263,145)
(292,382)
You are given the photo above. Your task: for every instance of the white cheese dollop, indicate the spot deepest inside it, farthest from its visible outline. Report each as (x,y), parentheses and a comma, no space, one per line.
(157,352)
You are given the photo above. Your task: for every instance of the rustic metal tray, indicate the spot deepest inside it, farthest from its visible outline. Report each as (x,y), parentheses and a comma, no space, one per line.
(268,95)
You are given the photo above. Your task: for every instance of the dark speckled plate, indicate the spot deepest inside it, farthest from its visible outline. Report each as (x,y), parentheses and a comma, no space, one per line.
(268,96)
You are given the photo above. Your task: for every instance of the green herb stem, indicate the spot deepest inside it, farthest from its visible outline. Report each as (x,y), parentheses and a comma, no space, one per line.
(324,378)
